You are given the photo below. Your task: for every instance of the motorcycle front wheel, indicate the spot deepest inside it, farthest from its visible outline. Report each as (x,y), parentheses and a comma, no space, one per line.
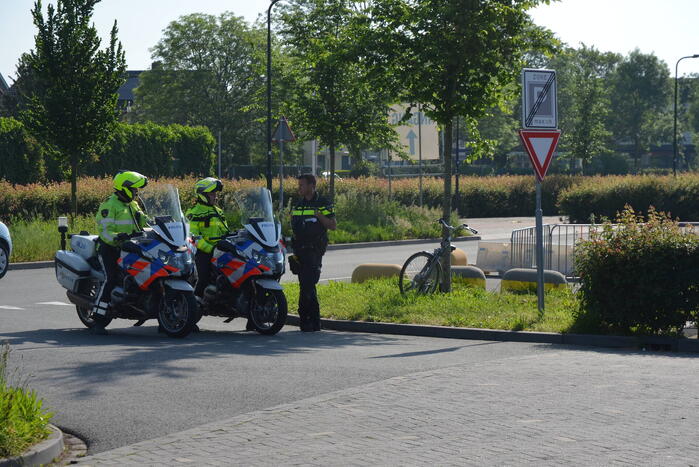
(268,310)
(177,313)
(90,289)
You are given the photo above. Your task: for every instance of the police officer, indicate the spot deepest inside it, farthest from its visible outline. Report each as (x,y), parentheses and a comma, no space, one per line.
(117,218)
(206,220)
(311,218)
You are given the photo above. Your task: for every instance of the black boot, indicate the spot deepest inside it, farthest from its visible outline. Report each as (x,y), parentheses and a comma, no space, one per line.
(98,330)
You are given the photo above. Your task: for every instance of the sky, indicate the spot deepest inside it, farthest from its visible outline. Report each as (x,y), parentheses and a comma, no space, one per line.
(664,27)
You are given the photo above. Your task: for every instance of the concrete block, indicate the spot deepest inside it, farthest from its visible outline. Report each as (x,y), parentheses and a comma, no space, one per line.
(458,258)
(367,271)
(468,275)
(524,280)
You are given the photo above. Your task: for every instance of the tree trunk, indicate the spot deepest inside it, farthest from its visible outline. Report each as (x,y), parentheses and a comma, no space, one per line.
(74,186)
(446,205)
(332,171)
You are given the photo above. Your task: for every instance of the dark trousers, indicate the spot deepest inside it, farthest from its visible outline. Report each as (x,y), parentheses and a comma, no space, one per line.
(108,256)
(310,262)
(203,262)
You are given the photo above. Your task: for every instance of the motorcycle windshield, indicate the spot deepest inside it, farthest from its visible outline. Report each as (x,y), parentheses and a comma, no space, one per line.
(162,202)
(162,206)
(255,205)
(257,217)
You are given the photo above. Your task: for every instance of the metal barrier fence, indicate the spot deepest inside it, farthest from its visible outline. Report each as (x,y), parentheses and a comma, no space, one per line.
(560,241)
(559,246)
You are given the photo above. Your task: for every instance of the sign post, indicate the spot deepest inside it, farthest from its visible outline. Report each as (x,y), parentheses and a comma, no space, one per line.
(282,134)
(539,135)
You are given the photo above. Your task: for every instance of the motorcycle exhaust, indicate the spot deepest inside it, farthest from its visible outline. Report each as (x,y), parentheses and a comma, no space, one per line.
(79,300)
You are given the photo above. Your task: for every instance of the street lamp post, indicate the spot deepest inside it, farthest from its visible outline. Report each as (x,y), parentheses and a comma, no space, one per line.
(269,95)
(674,131)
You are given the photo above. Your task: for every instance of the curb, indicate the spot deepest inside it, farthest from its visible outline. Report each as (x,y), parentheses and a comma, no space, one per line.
(30,265)
(350,246)
(587,340)
(337,246)
(43,453)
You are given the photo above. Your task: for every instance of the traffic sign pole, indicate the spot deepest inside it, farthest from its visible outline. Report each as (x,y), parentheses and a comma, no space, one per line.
(539,136)
(539,249)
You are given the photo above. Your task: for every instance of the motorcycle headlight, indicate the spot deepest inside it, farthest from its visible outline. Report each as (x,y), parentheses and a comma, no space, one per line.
(179,260)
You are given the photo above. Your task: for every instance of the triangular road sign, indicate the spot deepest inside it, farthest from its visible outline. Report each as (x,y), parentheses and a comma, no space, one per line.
(540,146)
(283,132)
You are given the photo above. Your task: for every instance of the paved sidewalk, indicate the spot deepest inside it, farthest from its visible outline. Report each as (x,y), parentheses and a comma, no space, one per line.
(573,407)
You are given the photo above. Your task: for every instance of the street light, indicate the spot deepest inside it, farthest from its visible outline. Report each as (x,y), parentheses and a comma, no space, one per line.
(674,131)
(269,95)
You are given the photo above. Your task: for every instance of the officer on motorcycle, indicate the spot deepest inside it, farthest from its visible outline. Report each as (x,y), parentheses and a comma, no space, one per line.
(206,220)
(117,218)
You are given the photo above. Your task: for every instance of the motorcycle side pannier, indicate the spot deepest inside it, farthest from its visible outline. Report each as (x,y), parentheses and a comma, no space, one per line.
(70,268)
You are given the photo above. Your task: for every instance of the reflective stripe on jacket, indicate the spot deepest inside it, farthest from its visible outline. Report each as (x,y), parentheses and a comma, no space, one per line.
(115,216)
(207,221)
(307,228)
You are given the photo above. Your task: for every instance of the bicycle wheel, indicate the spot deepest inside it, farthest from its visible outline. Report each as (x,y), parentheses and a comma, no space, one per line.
(420,274)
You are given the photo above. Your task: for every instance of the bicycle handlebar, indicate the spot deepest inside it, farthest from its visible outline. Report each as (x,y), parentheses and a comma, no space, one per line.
(462,226)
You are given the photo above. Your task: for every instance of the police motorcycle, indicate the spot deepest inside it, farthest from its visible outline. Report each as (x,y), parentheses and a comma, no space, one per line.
(155,266)
(247,266)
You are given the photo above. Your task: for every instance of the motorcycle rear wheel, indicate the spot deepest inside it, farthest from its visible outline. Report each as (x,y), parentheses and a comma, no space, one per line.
(268,310)
(177,313)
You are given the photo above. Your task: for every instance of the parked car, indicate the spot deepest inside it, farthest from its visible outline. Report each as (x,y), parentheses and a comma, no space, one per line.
(5,249)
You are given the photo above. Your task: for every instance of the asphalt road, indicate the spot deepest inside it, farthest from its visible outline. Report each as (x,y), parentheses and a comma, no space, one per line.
(135,384)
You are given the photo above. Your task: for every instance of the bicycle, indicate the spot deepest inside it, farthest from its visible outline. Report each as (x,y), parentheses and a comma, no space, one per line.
(422,272)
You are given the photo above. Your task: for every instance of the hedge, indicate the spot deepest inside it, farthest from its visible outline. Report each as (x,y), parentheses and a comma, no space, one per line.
(21,156)
(156,150)
(577,197)
(605,197)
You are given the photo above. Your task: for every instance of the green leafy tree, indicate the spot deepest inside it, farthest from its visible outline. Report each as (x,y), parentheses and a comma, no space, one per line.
(456,57)
(72,100)
(208,71)
(337,97)
(640,95)
(584,100)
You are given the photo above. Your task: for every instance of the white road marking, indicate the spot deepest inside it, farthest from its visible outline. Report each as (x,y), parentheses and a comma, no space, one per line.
(54,303)
(8,307)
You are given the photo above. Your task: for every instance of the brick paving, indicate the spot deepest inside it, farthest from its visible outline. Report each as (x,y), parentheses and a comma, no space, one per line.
(571,407)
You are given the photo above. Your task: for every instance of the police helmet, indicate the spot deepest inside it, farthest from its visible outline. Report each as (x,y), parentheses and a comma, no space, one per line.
(207,185)
(125,180)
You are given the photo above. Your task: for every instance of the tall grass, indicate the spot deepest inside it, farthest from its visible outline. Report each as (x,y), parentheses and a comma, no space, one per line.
(23,421)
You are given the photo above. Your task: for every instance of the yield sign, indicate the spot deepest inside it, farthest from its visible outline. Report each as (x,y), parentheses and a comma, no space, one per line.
(283,132)
(540,146)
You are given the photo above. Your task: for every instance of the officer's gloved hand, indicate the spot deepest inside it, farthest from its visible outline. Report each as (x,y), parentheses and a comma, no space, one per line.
(121,238)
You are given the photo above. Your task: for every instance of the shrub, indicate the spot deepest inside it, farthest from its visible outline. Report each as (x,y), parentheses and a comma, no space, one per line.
(23,421)
(639,277)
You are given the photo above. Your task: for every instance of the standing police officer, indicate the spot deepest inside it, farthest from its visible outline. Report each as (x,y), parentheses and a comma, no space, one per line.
(117,218)
(311,218)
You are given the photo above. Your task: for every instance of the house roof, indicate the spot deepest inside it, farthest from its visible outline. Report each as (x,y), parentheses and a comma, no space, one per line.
(4,88)
(126,89)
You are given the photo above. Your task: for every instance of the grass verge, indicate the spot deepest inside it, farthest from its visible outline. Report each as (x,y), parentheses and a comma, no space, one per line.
(381,301)
(23,421)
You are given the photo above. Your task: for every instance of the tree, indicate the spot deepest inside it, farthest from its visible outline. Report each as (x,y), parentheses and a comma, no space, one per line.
(72,105)
(337,98)
(584,100)
(455,57)
(208,71)
(640,94)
